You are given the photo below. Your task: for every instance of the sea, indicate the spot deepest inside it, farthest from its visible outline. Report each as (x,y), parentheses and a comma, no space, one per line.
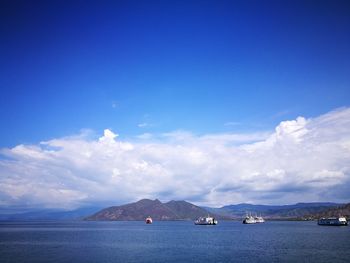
(172,241)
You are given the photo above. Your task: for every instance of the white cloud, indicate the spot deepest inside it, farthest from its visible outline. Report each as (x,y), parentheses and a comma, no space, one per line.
(145,125)
(145,136)
(108,135)
(142,125)
(232,123)
(302,160)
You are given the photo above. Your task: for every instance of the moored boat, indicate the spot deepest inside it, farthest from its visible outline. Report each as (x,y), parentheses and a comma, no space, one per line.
(249,219)
(206,221)
(333,221)
(149,220)
(259,219)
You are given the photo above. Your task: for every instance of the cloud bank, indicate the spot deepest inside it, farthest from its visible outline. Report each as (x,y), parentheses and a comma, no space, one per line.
(301,160)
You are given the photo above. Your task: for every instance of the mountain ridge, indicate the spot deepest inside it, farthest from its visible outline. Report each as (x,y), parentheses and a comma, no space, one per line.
(182,210)
(51,214)
(342,210)
(298,210)
(172,210)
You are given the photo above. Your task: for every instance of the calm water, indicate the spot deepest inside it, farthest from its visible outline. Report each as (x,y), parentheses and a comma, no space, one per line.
(172,242)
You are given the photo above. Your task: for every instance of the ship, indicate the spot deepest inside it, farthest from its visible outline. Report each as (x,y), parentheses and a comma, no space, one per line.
(206,221)
(149,220)
(259,219)
(249,220)
(333,221)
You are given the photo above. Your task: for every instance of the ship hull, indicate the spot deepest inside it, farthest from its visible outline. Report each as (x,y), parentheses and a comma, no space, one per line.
(205,224)
(331,222)
(248,222)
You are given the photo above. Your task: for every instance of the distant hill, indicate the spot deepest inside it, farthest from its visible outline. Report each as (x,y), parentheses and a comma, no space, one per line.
(182,210)
(50,214)
(342,210)
(298,210)
(173,210)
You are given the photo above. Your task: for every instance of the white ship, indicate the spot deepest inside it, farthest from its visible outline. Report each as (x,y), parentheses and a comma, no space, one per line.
(149,220)
(259,219)
(206,221)
(249,220)
(333,221)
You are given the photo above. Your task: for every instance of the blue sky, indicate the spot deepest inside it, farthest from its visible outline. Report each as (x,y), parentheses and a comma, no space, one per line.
(214,82)
(191,65)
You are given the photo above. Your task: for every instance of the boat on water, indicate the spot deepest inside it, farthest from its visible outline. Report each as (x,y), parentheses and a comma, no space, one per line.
(333,221)
(259,219)
(206,221)
(149,220)
(249,220)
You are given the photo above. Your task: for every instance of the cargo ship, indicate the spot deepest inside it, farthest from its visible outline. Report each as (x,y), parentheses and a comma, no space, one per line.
(259,219)
(333,221)
(249,220)
(206,221)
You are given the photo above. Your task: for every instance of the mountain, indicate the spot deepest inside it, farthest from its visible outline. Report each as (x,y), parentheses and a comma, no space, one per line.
(273,211)
(342,210)
(186,210)
(51,214)
(182,210)
(173,210)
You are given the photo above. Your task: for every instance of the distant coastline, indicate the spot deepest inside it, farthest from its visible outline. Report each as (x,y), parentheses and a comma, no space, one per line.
(182,210)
